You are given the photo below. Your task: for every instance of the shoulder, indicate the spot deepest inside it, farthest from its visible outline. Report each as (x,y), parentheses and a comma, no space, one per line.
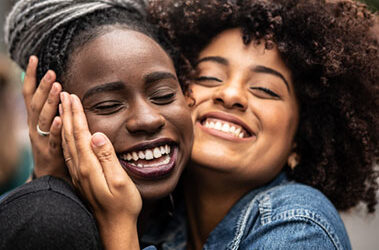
(298,215)
(46,213)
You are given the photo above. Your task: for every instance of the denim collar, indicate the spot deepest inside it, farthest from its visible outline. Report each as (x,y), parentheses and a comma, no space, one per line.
(172,231)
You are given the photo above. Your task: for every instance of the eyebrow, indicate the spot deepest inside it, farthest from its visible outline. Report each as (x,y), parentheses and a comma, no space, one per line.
(217,59)
(157,76)
(106,87)
(263,69)
(257,69)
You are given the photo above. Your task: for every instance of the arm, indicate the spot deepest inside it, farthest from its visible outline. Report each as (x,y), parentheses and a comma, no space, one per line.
(42,106)
(46,214)
(97,173)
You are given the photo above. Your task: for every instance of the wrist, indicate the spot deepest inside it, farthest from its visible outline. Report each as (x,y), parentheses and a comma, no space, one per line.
(120,233)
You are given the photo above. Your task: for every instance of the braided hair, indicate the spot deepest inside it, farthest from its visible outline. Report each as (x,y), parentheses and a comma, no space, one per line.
(53,29)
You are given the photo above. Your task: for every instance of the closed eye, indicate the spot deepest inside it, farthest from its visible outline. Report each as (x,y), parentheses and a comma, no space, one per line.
(265,91)
(163,98)
(208,78)
(107,108)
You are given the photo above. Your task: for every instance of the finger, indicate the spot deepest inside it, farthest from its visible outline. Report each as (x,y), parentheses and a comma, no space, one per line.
(115,175)
(68,161)
(67,126)
(81,133)
(30,80)
(90,170)
(50,108)
(55,139)
(40,96)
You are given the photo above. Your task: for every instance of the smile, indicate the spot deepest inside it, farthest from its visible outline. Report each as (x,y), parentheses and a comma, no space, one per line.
(148,158)
(150,162)
(226,127)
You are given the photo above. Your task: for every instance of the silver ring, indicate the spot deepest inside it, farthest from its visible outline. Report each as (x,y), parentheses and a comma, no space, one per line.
(42,133)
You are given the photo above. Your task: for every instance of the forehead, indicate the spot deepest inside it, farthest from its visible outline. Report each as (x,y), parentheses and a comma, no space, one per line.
(117,53)
(229,44)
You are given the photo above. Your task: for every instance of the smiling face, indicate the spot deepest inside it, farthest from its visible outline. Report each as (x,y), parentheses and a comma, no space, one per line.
(130,92)
(246,113)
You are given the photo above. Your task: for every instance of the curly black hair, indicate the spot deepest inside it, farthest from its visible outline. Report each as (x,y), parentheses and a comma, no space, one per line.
(334,59)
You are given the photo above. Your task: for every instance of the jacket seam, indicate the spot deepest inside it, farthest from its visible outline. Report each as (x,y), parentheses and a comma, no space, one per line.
(308,215)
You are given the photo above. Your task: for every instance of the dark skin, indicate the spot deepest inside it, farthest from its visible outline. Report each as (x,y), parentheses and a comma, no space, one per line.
(134,99)
(139,101)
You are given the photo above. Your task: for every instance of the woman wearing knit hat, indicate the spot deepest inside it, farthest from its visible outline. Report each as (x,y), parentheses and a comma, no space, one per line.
(105,54)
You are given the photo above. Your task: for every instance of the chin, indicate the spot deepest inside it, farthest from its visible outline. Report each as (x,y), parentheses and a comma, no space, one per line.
(156,191)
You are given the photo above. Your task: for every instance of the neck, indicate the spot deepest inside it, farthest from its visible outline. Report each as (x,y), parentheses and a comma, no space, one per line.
(144,216)
(209,197)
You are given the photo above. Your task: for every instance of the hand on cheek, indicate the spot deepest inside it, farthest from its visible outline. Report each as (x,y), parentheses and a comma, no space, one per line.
(95,168)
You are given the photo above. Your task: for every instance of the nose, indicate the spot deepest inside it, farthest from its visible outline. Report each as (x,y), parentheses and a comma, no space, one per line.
(144,119)
(231,95)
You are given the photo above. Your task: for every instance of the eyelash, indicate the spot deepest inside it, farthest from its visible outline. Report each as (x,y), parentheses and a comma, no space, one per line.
(207,78)
(162,99)
(107,109)
(267,91)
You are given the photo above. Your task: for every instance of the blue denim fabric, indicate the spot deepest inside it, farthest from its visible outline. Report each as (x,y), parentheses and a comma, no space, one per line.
(280,215)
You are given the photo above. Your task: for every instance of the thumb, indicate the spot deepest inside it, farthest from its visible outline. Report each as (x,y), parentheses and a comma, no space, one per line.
(103,149)
(105,153)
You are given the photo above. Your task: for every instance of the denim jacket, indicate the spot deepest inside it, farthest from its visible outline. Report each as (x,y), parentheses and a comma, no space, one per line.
(280,215)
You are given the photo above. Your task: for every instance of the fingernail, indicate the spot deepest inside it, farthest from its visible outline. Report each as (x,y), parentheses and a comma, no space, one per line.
(48,76)
(73,99)
(31,59)
(63,96)
(98,139)
(54,89)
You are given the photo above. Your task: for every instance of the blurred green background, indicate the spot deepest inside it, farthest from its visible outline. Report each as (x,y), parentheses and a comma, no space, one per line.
(374,4)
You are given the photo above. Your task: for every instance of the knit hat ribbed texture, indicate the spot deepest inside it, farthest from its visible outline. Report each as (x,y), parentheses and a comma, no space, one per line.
(30,22)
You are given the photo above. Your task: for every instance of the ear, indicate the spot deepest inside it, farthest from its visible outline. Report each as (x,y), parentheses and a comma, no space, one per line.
(190,100)
(293,160)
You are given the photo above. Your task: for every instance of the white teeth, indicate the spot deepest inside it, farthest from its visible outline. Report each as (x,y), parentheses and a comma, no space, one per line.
(135,156)
(141,155)
(232,129)
(157,153)
(149,154)
(163,150)
(129,157)
(237,132)
(218,126)
(225,127)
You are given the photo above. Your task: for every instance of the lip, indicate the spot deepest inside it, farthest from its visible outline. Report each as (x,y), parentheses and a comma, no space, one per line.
(228,118)
(156,172)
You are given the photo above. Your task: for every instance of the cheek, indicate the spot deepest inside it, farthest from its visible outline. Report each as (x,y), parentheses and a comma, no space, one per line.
(109,125)
(277,120)
(179,116)
(200,93)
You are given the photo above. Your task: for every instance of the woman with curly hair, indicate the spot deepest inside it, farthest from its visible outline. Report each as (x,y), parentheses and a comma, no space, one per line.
(300,79)
(285,119)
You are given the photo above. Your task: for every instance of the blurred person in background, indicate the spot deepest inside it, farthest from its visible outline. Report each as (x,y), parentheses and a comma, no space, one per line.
(15,159)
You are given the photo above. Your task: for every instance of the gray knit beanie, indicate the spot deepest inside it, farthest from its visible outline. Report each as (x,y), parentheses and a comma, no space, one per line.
(31,22)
